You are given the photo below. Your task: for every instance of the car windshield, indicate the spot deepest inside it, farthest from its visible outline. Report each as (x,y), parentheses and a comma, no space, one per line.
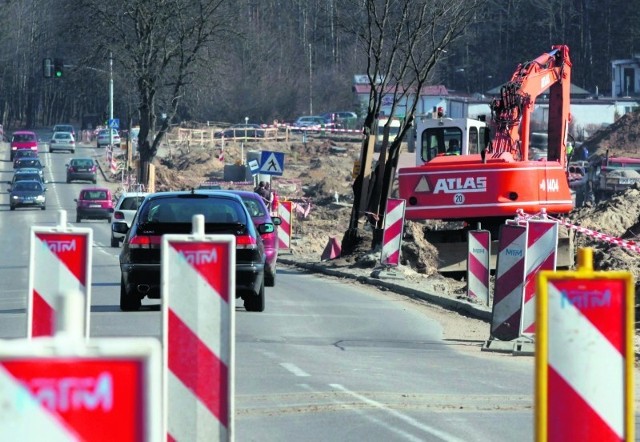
(26,177)
(27,186)
(94,195)
(182,210)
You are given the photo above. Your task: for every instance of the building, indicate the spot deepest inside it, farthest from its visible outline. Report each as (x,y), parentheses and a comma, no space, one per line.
(625,77)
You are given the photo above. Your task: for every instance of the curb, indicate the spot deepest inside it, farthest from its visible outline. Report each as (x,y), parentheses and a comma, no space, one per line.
(453,304)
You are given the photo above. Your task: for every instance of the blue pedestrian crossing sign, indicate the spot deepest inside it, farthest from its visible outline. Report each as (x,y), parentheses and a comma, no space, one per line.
(271,163)
(114,123)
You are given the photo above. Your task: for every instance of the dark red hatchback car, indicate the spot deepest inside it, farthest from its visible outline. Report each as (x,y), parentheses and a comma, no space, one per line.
(94,203)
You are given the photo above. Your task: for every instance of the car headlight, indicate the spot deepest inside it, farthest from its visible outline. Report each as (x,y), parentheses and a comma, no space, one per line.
(15,197)
(40,198)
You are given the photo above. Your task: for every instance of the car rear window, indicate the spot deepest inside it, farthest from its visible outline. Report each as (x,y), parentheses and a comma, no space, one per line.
(82,163)
(131,203)
(182,210)
(20,138)
(62,136)
(94,195)
(254,208)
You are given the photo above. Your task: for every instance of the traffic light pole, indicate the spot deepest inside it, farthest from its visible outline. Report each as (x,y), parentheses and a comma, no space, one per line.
(110,98)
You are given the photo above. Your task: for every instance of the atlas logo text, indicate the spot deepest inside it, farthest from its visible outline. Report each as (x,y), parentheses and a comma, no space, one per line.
(461,185)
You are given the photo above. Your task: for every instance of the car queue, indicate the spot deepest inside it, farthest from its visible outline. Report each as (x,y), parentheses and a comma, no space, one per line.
(138,219)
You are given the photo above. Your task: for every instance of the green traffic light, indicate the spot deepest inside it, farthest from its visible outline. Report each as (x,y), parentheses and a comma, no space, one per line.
(58,74)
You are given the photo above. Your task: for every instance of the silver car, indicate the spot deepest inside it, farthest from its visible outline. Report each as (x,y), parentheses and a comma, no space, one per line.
(124,212)
(103,138)
(62,141)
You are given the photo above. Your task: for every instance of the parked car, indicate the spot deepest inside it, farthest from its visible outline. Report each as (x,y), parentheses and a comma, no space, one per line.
(26,175)
(102,139)
(65,128)
(260,216)
(82,169)
(241,131)
(94,203)
(24,153)
(27,194)
(62,141)
(341,120)
(30,163)
(313,122)
(172,212)
(124,211)
(23,139)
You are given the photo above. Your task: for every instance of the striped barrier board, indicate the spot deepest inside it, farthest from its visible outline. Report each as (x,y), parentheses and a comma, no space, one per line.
(585,354)
(198,335)
(60,261)
(392,236)
(507,295)
(104,389)
(542,247)
(478,265)
(285,229)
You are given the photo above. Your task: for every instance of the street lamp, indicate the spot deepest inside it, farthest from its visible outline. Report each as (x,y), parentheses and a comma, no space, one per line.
(110,99)
(310,82)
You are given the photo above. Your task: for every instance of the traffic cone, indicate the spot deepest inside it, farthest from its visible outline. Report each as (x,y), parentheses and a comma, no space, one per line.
(332,250)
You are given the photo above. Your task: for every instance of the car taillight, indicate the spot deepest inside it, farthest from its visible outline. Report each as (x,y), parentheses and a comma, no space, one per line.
(34,147)
(72,142)
(93,168)
(246,242)
(118,215)
(145,242)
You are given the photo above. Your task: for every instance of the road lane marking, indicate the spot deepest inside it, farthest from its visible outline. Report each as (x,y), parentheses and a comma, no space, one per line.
(409,420)
(362,413)
(294,369)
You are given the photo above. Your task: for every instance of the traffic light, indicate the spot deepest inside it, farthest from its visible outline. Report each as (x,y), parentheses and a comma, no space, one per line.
(58,64)
(47,67)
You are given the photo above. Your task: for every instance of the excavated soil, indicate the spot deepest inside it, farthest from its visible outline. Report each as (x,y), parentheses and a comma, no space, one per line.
(318,177)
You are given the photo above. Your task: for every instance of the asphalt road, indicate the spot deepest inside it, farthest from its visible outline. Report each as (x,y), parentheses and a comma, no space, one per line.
(327,360)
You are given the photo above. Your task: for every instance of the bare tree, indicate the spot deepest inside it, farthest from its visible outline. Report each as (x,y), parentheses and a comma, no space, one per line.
(403,41)
(159,44)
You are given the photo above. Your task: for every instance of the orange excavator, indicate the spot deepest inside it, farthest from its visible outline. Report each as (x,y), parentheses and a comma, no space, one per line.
(492,184)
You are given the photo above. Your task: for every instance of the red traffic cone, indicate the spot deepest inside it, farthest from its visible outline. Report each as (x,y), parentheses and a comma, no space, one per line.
(332,249)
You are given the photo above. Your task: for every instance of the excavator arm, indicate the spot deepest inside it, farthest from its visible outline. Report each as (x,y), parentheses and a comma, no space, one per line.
(511,112)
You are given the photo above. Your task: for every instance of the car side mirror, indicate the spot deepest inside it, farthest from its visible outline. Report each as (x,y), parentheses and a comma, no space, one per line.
(120,227)
(276,220)
(75,199)
(266,228)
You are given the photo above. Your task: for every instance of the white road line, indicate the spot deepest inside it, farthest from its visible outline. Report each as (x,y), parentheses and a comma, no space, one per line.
(411,421)
(294,369)
(362,413)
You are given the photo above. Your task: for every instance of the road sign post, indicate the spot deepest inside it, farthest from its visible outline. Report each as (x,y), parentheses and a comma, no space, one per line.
(584,354)
(198,334)
(59,262)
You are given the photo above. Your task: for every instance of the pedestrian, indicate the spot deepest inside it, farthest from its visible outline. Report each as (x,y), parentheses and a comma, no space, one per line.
(268,195)
(259,188)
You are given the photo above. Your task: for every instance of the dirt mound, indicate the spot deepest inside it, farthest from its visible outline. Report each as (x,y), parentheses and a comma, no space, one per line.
(620,138)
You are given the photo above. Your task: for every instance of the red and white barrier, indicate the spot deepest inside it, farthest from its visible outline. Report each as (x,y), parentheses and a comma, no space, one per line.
(542,247)
(585,355)
(478,265)
(392,236)
(285,229)
(198,334)
(67,389)
(59,262)
(510,268)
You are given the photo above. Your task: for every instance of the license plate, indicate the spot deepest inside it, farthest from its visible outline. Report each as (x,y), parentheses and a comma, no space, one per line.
(95,205)
(627,180)
(27,201)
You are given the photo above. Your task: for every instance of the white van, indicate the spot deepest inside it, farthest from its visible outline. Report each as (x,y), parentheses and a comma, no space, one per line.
(394,128)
